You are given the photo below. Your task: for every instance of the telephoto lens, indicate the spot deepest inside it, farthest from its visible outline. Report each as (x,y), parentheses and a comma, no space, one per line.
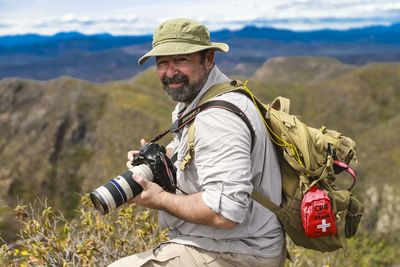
(151,163)
(119,190)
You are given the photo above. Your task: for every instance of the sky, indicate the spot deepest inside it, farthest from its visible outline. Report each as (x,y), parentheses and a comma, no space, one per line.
(123,17)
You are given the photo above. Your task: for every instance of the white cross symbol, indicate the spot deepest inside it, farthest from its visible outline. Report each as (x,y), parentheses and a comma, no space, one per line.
(323,225)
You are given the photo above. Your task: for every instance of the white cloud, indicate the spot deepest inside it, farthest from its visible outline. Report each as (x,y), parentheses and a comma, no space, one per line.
(138,17)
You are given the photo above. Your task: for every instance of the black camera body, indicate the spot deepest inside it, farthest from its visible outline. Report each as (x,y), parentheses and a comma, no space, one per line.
(151,163)
(163,170)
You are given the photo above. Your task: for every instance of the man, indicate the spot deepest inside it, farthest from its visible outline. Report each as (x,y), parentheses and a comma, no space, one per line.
(214,222)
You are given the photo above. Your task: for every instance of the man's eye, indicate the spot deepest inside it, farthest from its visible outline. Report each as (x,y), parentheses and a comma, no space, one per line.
(160,63)
(181,59)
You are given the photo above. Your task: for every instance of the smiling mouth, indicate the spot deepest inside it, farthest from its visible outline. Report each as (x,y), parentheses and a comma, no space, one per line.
(175,82)
(175,85)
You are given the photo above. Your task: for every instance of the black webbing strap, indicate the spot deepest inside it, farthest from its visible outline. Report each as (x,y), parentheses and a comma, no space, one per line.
(191,115)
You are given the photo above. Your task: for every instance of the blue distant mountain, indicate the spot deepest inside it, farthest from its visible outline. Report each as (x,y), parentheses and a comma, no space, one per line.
(104,57)
(31,39)
(376,34)
(76,39)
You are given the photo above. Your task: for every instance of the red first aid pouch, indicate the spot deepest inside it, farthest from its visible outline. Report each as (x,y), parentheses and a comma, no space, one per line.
(317,214)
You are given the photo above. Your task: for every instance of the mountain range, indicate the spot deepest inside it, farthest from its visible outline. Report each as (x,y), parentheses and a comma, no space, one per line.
(104,57)
(72,105)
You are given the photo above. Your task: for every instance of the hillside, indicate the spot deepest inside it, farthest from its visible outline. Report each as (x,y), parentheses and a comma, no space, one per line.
(63,137)
(362,102)
(66,136)
(300,69)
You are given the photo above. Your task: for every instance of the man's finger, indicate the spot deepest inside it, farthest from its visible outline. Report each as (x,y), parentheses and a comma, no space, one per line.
(143,142)
(141,181)
(129,164)
(132,154)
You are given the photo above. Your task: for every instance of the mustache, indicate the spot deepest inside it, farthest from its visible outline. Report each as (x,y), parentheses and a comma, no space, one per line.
(178,78)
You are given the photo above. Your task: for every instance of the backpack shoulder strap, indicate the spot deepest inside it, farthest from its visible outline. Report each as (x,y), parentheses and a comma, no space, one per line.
(221,88)
(205,103)
(191,130)
(281,103)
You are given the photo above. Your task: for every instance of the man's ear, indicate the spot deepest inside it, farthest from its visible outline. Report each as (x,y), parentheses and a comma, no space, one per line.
(209,60)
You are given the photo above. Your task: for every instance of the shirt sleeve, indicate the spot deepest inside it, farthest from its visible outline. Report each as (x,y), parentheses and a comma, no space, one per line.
(222,159)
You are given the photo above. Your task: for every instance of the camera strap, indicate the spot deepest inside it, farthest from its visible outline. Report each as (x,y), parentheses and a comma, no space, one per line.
(191,115)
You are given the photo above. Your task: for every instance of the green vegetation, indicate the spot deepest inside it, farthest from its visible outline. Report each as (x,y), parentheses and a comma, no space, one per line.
(365,250)
(47,238)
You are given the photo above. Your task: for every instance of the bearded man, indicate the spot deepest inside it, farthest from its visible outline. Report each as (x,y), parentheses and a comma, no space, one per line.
(212,219)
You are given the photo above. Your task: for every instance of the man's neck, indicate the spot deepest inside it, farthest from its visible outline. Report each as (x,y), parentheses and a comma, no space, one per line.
(200,87)
(215,76)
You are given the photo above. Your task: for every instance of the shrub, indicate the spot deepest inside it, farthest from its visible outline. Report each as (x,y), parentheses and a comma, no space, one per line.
(47,238)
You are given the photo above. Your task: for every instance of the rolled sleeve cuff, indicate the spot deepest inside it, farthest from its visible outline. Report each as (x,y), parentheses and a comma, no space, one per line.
(223,205)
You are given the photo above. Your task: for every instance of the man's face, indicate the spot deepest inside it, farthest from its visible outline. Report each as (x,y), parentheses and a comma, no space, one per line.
(183,76)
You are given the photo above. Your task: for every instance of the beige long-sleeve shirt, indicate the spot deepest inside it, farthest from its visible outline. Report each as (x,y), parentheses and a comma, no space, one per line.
(226,172)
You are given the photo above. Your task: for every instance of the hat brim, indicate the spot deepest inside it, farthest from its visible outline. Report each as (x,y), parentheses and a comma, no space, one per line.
(180,48)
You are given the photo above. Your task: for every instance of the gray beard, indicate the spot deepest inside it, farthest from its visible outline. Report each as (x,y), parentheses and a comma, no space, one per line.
(187,92)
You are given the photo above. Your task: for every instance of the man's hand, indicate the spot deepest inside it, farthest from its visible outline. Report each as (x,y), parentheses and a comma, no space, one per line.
(151,196)
(187,207)
(134,154)
(190,208)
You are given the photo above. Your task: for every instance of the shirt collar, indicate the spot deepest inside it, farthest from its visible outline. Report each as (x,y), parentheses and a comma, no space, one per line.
(214,77)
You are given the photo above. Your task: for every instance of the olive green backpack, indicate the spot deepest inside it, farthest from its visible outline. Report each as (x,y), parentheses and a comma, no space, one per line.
(307,157)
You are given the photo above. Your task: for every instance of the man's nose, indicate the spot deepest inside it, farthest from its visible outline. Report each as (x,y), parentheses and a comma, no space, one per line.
(171,70)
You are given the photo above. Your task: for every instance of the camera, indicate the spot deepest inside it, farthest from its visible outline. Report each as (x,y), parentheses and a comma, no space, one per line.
(151,163)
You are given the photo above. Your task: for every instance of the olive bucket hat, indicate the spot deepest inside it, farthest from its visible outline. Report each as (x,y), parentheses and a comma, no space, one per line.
(181,36)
